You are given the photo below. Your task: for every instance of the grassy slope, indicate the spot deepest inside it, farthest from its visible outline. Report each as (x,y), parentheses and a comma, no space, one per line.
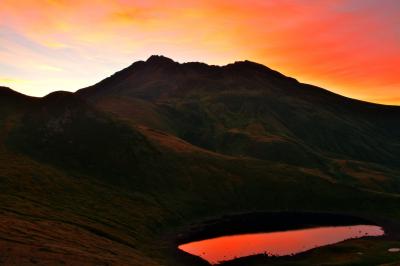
(139,224)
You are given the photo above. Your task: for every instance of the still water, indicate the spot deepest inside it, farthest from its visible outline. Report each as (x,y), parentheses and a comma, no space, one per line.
(280,243)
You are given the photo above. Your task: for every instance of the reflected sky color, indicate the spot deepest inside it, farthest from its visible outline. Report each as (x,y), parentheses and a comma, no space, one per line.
(351,47)
(276,243)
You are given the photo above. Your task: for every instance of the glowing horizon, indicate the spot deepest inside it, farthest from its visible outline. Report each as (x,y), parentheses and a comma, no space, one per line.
(349,47)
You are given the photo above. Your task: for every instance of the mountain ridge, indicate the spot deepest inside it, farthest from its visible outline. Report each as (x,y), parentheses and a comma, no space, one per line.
(156,59)
(251,106)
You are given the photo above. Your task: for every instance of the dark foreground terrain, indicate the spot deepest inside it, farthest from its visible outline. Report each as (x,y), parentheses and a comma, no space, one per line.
(112,174)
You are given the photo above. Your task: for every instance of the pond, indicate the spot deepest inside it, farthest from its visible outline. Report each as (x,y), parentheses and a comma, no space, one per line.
(282,243)
(277,239)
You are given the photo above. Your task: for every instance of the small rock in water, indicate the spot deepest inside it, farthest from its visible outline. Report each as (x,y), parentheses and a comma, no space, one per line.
(394,249)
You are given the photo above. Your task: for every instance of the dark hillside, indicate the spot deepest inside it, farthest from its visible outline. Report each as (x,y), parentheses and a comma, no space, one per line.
(63,130)
(247,109)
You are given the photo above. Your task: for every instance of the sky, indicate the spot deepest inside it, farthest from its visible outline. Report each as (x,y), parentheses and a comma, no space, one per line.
(351,47)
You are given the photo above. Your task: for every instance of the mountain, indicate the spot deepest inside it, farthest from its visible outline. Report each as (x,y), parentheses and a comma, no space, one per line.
(113,173)
(248,110)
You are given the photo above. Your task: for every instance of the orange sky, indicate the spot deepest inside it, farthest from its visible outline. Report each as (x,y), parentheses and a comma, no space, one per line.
(351,47)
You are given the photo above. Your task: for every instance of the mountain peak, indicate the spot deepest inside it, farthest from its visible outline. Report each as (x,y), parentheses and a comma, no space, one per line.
(246,64)
(6,91)
(160,59)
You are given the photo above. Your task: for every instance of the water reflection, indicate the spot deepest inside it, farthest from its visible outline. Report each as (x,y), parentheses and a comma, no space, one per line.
(282,243)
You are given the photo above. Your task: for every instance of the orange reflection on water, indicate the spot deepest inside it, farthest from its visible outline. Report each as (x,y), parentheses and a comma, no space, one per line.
(275,243)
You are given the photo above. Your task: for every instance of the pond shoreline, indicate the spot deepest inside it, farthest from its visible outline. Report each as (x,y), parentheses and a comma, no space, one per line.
(256,222)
